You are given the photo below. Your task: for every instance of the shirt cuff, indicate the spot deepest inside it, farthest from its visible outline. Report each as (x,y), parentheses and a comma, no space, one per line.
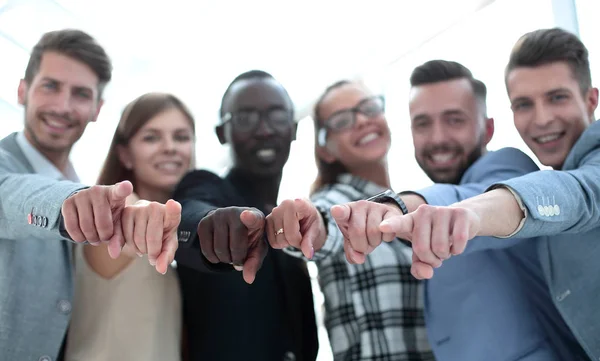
(521,205)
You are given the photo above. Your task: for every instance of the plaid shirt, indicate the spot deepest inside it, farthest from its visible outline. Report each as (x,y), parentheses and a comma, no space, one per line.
(374,311)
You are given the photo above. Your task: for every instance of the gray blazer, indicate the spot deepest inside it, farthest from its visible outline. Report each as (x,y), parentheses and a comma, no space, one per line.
(36,286)
(565,206)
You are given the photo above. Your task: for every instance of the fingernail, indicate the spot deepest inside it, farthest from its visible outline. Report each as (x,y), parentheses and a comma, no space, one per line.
(165,272)
(152,262)
(139,254)
(238,267)
(312,252)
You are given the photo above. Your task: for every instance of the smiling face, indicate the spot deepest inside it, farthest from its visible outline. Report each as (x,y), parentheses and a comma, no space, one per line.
(261,127)
(449,128)
(161,152)
(365,137)
(550,112)
(59,103)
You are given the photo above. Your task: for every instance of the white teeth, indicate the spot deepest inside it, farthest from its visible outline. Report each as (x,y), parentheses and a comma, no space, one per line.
(168,166)
(266,154)
(442,158)
(56,124)
(548,138)
(367,138)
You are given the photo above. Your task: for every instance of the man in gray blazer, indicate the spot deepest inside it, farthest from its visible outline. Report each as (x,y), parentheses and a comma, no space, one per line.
(553,102)
(42,207)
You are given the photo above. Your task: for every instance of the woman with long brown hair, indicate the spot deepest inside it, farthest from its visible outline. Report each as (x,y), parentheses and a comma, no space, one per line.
(123,308)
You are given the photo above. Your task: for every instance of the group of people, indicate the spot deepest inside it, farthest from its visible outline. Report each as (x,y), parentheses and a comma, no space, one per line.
(495,261)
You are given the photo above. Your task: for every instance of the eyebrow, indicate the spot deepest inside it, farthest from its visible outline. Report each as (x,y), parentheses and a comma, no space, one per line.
(252,108)
(454,112)
(154,130)
(77,87)
(448,112)
(548,93)
(421,116)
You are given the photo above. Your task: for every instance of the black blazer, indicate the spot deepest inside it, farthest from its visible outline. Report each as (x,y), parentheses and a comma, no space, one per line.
(214,294)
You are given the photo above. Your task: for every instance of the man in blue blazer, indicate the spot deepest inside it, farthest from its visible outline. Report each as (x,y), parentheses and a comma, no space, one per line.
(43,209)
(549,86)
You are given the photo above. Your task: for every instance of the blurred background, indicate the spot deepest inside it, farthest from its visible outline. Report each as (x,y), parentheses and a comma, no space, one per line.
(194,49)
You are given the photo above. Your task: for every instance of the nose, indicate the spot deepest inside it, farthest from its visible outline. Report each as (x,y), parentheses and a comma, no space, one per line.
(361,120)
(438,133)
(264,129)
(542,116)
(169,145)
(63,104)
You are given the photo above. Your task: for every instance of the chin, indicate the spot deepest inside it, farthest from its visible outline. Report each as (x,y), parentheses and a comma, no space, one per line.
(266,170)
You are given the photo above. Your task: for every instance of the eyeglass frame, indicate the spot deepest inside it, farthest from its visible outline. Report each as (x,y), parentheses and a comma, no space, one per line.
(322,132)
(263,115)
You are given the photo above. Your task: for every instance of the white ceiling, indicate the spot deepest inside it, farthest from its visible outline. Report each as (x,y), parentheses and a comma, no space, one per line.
(195,48)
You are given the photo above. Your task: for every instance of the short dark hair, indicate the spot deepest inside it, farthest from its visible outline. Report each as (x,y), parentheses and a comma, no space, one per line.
(251,74)
(435,71)
(545,46)
(75,44)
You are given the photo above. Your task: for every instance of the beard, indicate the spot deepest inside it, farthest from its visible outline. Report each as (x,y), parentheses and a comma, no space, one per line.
(453,175)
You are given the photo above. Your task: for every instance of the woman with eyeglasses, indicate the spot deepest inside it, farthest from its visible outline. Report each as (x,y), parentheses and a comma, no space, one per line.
(374,310)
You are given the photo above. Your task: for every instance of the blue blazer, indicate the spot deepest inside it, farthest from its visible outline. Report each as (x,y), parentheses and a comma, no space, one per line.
(36,276)
(491,303)
(565,205)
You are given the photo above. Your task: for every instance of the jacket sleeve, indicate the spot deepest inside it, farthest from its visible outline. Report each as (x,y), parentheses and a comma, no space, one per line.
(496,166)
(560,201)
(23,193)
(199,192)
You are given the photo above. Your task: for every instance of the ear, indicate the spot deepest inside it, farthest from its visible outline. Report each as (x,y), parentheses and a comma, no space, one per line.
(100,104)
(22,92)
(124,156)
(489,130)
(294,130)
(324,154)
(220,130)
(592,102)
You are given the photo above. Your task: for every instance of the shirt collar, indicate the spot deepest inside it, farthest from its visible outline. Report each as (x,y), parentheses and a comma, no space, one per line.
(41,165)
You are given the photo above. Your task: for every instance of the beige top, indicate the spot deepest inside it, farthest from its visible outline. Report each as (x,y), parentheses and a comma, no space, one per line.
(134,316)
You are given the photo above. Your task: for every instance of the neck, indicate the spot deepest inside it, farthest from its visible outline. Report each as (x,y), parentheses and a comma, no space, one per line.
(263,188)
(59,158)
(152,194)
(374,172)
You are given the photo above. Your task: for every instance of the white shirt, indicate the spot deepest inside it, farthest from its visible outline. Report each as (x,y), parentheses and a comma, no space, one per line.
(41,165)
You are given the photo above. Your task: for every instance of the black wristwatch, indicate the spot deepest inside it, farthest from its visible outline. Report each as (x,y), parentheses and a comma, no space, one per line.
(389,196)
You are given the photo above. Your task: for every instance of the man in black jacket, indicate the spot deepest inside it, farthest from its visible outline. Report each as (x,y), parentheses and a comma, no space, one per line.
(233,315)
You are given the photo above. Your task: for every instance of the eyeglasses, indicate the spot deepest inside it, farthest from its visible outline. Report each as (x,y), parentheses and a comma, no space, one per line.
(246,121)
(346,118)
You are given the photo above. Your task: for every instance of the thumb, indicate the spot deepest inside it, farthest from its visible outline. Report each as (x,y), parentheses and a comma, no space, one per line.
(252,219)
(119,192)
(398,225)
(303,208)
(341,213)
(172,214)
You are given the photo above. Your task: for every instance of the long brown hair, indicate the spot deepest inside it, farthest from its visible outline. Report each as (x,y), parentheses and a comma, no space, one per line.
(135,115)
(327,173)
